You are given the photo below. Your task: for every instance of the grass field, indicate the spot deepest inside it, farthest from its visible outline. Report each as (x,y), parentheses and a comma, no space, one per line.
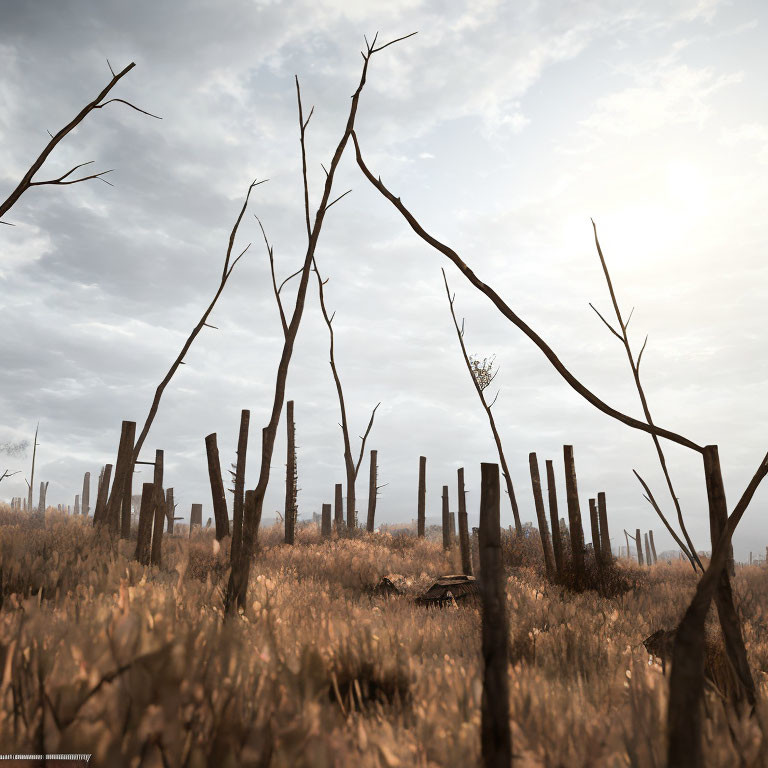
(138,667)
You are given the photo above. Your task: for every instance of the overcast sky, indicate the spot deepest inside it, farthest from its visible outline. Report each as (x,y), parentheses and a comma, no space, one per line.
(504,127)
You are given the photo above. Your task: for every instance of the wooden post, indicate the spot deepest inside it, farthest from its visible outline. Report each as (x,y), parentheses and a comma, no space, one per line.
(653,547)
(144,538)
(372,492)
(421,524)
(446,521)
(595,528)
(541,516)
(466,557)
(626,536)
(86,497)
(574,515)
(496,738)
(218,495)
(289,512)
(158,509)
(125,512)
(605,536)
(750,558)
(639,546)
(237,505)
(325,526)
(77,504)
(41,502)
(195,517)
(557,537)
(123,471)
(170,508)
(101,500)
(338,507)
(648,560)
(452,526)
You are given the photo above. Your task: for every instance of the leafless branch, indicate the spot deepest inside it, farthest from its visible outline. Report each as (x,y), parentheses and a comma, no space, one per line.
(128,104)
(364,438)
(607,324)
(27,182)
(60,180)
(513,317)
(290,277)
(274,281)
(337,199)
(9,474)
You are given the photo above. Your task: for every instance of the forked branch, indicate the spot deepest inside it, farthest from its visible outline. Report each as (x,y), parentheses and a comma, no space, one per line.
(98,103)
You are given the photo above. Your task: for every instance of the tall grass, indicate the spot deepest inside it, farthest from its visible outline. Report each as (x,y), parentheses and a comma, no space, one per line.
(138,666)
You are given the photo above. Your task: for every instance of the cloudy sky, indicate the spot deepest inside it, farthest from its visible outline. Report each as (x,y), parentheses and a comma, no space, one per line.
(504,127)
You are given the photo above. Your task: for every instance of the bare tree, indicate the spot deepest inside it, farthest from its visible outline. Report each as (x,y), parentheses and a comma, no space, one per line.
(238,581)
(8,474)
(482,377)
(64,180)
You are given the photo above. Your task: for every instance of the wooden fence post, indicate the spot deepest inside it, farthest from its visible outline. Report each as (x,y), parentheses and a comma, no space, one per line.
(653,547)
(289,512)
(338,507)
(101,500)
(123,476)
(144,538)
(639,547)
(466,557)
(496,738)
(446,520)
(557,537)
(41,507)
(541,516)
(648,560)
(158,507)
(195,517)
(86,497)
(605,536)
(218,495)
(595,528)
(77,504)
(325,526)
(372,480)
(574,515)
(170,510)
(422,508)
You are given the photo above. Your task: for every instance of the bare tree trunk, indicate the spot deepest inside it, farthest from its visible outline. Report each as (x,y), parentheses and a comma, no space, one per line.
(325,525)
(170,509)
(422,507)
(31,482)
(653,547)
(290,476)
(446,521)
(541,516)
(557,536)
(237,504)
(605,537)
(466,557)
(372,493)
(338,504)
(218,495)
(100,512)
(123,471)
(495,733)
(574,515)
(86,494)
(595,528)
(144,538)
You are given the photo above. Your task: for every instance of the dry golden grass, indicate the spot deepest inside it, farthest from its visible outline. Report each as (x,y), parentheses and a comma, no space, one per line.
(137,666)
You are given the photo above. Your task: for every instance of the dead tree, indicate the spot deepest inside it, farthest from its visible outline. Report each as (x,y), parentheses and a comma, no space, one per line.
(86,497)
(101,499)
(226,273)
(239,477)
(557,536)
(446,520)
(64,180)
(496,737)
(421,521)
(574,516)
(605,536)
(338,508)
(466,557)
(373,489)
(482,377)
(238,582)
(31,481)
(217,487)
(291,477)
(541,516)
(595,528)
